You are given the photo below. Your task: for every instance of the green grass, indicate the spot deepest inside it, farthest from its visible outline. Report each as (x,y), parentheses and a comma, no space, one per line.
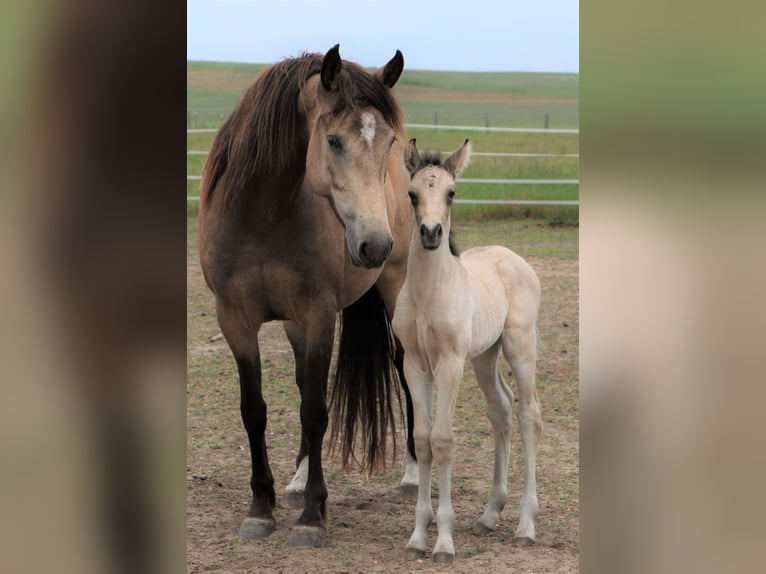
(554,85)
(459,98)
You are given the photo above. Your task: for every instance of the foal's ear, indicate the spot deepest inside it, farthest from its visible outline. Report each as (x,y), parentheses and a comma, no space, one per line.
(411,156)
(389,74)
(459,159)
(331,66)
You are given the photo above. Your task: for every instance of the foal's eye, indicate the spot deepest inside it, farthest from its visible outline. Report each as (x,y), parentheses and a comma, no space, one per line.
(413,197)
(335,143)
(451,193)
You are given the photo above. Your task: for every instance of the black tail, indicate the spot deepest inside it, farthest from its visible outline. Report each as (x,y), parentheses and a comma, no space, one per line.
(365,382)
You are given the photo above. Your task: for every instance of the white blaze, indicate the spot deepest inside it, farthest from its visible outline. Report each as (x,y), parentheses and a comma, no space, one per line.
(368,127)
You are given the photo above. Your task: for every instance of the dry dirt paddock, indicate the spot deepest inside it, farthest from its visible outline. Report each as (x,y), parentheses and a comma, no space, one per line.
(368,524)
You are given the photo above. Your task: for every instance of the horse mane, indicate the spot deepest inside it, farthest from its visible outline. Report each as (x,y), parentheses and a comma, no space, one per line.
(265,133)
(434,159)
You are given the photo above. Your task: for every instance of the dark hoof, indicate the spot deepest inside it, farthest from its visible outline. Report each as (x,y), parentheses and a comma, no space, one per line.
(414,554)
(408,491)
(443,558)
(307,537)
(256,528)
(523,541)
(480,529)
(292,500)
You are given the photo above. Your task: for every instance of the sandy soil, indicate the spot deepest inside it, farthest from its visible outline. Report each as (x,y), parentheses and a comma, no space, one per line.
(369,524)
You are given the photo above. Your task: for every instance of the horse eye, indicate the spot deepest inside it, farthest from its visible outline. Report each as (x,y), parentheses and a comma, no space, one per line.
(335,142)
(413,197)
(451,193)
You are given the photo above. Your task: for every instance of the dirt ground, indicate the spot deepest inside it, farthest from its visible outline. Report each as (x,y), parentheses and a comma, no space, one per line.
(369,525)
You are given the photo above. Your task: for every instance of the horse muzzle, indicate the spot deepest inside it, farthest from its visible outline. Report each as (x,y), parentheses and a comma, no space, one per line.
(431,237)
(372,252)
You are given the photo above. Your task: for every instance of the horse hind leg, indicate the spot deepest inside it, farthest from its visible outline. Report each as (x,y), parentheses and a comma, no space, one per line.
(520,350)
(293,495)
(408,488)
(499,400)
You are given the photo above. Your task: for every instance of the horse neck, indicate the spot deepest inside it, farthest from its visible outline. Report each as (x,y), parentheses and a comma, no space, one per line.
(428,270)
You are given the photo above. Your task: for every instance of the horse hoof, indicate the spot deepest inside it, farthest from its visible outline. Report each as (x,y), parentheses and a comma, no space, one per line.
(443,557)
(256,528)
(524,541)
(480,529)
(292,499)
(307,537)
(414,554)
(408,491)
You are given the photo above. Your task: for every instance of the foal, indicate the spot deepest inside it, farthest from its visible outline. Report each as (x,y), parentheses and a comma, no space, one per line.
(449,309)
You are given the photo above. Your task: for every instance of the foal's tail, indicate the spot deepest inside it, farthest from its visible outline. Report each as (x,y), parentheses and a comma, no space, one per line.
(364,382)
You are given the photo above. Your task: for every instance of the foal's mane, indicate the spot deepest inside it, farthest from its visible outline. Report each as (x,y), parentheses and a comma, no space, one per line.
(266,134)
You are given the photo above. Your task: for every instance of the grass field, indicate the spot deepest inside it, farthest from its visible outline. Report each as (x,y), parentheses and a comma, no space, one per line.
(451,98)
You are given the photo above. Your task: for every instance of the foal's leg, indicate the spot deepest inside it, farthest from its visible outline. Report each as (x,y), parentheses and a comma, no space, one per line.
(243,342)
(499,400)
(293,497)
(421,389)
(520,350)
(447,377)
(408,488)
(310,530)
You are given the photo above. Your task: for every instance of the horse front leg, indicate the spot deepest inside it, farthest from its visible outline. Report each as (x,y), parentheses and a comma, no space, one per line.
(259,522)
(421,387)
(310,529)
(447,377)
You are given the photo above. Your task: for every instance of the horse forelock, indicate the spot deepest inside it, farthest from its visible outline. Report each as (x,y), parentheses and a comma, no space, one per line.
(357,88)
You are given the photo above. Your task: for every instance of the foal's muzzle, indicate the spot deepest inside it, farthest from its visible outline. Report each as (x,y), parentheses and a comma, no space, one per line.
(431,237)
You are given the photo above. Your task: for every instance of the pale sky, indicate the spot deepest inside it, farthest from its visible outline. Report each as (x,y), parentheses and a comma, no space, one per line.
(470,35)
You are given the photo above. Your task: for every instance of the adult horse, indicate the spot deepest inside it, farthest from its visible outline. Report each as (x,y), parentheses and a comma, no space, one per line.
(303,214)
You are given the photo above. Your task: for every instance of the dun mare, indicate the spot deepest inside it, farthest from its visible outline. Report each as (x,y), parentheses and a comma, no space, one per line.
(456,307)
(303,214)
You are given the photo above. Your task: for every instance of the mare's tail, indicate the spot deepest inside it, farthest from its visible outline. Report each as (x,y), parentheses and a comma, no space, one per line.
(365,382)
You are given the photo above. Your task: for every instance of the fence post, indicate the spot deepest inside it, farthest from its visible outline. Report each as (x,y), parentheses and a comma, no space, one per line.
(188,119)
(546,121)
(486,120)
(436,119)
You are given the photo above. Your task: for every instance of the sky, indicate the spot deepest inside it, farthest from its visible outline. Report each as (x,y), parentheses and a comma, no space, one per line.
(466,35)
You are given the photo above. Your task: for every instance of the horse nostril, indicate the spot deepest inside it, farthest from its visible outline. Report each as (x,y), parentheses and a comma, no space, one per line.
(423,230)
(363,250)
(438,230)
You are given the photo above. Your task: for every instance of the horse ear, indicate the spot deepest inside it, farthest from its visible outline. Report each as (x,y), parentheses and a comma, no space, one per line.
(389,74)
(411,156)
(331,66)
(459,159)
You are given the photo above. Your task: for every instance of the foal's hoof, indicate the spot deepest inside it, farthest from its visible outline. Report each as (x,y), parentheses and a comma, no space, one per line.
(414,554)
(256,528)
(524,541)
(480,529)
(443,558)
(307,537)
(408,491)
(292,499)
